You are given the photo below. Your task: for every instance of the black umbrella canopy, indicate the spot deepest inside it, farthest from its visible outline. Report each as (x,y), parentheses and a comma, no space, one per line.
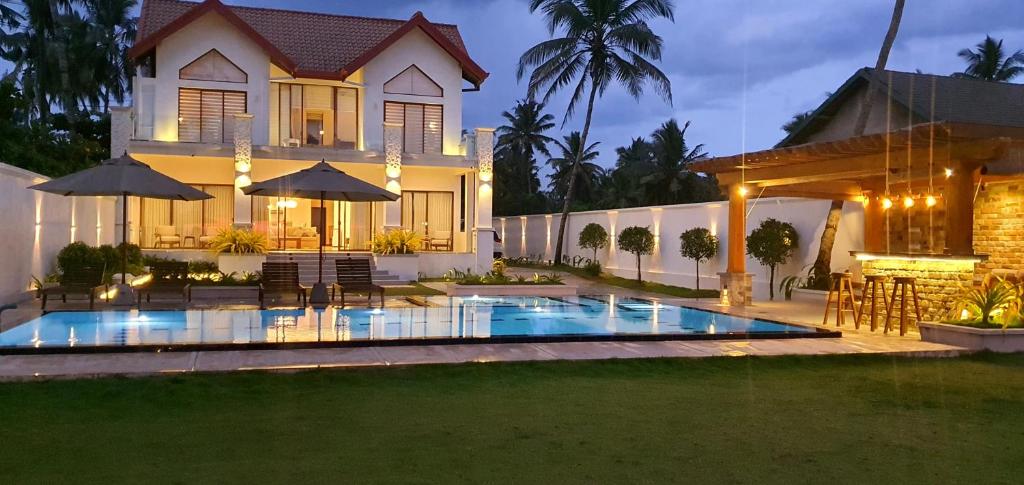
(321,181)
(123,175)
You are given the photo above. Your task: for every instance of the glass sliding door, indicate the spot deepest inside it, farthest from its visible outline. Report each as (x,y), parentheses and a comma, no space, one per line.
(430,214)
(181,224)
(314,115)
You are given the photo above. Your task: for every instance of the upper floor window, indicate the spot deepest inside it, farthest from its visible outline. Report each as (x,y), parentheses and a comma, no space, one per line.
(213,66)
(207,115)
(314,115)
(422,125)
(413,81)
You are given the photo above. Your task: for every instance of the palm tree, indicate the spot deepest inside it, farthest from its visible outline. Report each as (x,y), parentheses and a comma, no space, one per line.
(669,179)
(618,190)
(114,30)
(570,171)
(637,158)
(989,62)
(39,52)
(798,119)
(523,137)
(600,42)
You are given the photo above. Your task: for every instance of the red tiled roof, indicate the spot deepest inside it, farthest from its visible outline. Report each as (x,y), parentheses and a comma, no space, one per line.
(307,44)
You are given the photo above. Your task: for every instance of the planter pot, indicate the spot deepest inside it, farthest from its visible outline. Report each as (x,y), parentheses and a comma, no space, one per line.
(995,340)
(405,266)
(231,293)
(240,263)
(453,289)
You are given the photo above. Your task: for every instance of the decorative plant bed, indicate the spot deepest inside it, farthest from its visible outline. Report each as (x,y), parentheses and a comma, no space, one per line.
(225,292)
(455,289)
(995,340)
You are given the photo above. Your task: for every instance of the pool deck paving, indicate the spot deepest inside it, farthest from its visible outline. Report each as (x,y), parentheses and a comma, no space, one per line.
(853,341)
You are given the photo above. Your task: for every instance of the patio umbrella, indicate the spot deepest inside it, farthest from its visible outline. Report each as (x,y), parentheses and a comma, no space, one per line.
(122,176)
(323,182)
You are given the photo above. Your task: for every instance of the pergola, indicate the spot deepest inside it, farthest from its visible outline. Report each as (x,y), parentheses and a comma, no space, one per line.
(925,159)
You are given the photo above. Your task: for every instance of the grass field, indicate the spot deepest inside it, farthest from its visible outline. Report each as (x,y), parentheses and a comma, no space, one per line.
(754,420)
(631,283)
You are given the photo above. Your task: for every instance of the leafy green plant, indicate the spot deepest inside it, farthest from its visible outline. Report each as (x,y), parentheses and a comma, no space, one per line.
(639,241)
(467,277)
(203,266)
(239,241)
(398,241)
(772,244)
(593,268)
(593,237)
(994,296)
(77,255)
(498,267)
(791,282)
(699,245)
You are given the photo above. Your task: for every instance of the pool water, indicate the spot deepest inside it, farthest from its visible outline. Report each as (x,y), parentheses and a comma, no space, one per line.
(471,318)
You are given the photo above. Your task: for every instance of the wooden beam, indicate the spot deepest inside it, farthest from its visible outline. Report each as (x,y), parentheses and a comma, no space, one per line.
(959,199)
(737,254)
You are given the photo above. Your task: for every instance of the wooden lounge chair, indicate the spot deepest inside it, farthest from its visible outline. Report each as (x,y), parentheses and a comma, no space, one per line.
(77,281)
(281,278)
(354,276)
(168,277)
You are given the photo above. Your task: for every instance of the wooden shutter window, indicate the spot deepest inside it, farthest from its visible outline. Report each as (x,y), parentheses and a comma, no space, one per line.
(432,128)
(188,114)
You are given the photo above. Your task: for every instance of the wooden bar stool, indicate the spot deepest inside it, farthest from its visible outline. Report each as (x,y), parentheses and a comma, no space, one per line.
(842,287)
(899,286)
(871,287)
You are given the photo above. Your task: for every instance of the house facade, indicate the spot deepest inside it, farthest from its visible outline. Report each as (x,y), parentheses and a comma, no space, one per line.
(226,95)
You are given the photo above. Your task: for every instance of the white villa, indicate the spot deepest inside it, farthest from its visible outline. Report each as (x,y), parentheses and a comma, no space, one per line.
(227,95)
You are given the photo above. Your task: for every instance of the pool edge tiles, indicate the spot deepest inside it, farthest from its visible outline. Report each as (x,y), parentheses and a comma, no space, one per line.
(473,321)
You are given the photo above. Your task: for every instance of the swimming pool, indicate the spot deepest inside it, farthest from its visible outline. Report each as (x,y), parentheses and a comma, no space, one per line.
(433,320)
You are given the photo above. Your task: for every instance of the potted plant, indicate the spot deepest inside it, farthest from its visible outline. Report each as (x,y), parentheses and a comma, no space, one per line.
(990,317)
(394,251)
(699,245)
(239,250)
(772,244)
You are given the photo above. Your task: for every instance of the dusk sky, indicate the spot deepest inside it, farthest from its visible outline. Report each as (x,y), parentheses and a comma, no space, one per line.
(739,68)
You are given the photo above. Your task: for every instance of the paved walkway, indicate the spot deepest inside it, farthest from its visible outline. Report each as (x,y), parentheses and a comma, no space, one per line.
(808,313)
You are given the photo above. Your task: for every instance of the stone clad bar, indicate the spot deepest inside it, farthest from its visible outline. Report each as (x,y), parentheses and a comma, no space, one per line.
(939,277)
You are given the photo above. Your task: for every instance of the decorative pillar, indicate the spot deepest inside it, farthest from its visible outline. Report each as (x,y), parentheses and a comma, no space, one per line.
(736,283)
(393,174)
(121,128)
(484,193)
(243,169)
(875,240)
(959,195)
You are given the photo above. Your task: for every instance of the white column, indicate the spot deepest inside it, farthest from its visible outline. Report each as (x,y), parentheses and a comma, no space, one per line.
(393,174)
(121,128)
(482,226)
(243,169)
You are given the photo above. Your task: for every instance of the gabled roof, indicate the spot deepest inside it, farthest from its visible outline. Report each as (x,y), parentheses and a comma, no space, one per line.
(957,100)
(305,44)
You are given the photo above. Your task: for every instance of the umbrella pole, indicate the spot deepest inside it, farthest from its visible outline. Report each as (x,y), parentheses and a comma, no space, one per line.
(124,237)
(318,298)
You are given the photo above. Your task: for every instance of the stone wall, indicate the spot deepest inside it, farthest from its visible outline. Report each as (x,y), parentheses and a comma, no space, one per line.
(999,227)
(938,283)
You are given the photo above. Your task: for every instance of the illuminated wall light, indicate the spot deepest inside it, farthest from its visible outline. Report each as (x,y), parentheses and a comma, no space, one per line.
(243,181)
(485,188)
(930,201)
(393,171)
(243,166)
(886,203)
(908,202)
(394,187)
(864,199)
(743,191)
(949,172)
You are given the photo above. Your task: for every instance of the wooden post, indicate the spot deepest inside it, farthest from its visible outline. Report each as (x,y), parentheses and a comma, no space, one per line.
(874,226)
(959,199)
(737,230)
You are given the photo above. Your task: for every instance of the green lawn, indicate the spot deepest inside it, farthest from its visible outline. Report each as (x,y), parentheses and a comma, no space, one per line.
(755,420)
(631,283)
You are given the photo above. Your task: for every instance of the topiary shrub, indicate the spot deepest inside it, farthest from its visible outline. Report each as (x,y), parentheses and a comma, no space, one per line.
(77,255)
(593,237)
(639,241)
(772,244)
(699,245)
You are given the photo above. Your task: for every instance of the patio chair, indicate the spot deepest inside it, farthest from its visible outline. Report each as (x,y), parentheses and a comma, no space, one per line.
(441,240)
(281,278)
(354,276)
(168,277)
(84,280)
(166,235)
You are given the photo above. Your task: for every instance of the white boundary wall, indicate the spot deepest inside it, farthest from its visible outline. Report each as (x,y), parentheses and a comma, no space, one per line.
(537,235)
(36,225)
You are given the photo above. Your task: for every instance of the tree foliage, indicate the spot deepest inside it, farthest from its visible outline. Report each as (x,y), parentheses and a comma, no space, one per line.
(517,188)
(772,244)
(699,245)
(594,237)
(988,61)
(639,241)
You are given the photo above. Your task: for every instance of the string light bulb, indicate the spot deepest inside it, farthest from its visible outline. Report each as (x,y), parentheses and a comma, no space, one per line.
(743,191)
(930,201)
(949,172)
(908,202)
(886,203)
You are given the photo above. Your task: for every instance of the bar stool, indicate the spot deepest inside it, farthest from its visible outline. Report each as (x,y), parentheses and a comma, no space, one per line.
(899,286)
(842,287)
(871,286)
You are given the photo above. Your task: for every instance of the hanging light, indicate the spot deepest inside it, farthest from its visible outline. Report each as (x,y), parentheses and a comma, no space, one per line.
(886,203)
(743,190)
(930,201)
(949,172)
(908,202)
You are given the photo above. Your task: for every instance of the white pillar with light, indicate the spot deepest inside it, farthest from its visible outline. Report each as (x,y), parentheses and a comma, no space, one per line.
(243,169)
(484,193)
(393,174)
